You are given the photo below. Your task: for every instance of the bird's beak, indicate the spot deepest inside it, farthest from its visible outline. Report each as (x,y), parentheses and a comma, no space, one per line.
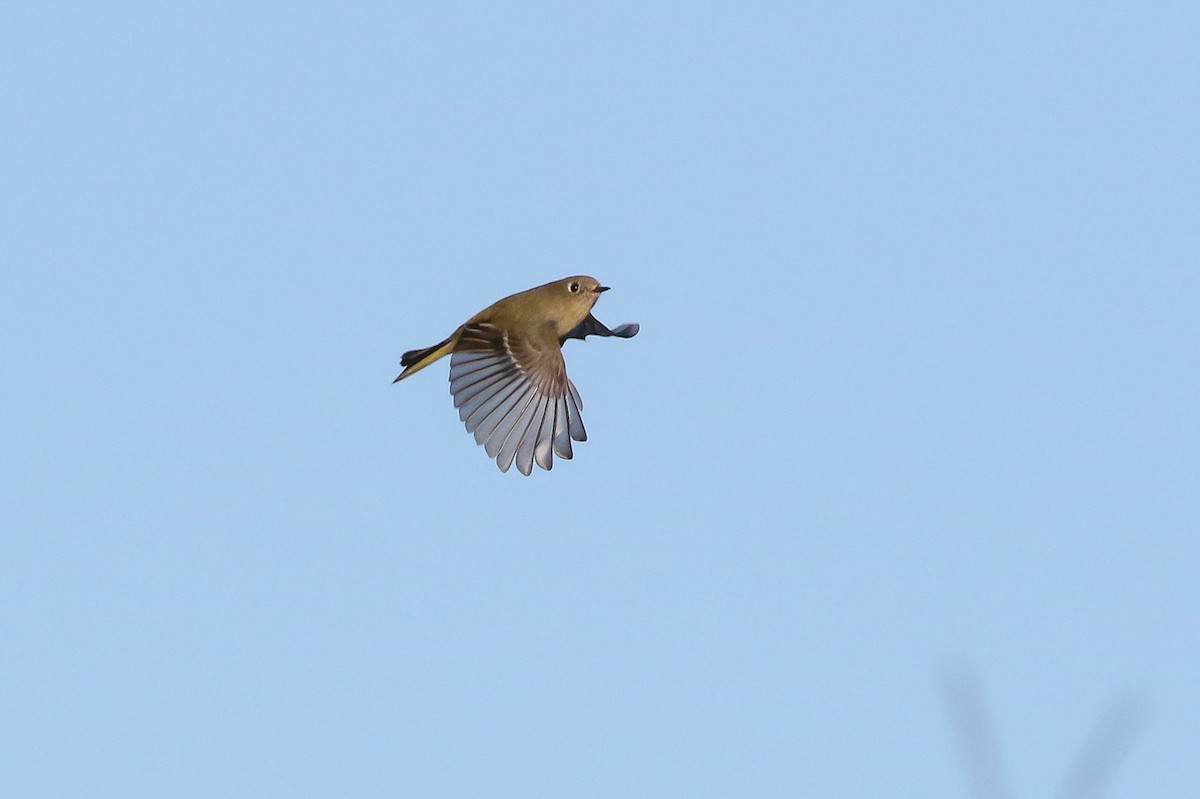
(599,289)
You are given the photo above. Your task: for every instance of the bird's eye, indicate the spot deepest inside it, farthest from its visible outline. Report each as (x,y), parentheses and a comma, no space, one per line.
(574,287)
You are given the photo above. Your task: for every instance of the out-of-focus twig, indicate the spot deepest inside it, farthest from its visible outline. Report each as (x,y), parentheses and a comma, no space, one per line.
(973,730)
(1093,769)
(1106,746)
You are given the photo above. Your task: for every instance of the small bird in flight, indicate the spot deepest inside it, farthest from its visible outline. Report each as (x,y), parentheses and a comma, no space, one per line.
(507,373)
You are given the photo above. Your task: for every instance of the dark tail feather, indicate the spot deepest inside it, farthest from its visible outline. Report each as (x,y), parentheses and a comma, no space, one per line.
(412,356)
(417,359)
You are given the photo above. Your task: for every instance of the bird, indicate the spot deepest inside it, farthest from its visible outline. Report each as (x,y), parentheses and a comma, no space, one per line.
(507,373)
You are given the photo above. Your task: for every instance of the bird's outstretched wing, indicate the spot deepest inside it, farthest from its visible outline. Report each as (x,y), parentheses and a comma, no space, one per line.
(594,327)
(514,395)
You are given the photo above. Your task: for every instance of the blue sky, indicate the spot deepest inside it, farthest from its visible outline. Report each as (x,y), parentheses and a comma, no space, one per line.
(917,384)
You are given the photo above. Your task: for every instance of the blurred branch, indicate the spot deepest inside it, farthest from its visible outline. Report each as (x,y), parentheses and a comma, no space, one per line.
(973,730)
(1093,769)
(1106,746)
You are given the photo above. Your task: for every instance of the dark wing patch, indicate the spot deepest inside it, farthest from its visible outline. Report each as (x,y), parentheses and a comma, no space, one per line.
(591,326)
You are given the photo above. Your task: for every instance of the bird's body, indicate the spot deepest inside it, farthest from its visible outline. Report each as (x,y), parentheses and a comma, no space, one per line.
(524,316)
(507,372)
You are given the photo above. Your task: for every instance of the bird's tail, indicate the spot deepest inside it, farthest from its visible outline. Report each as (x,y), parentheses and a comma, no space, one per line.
(416,360)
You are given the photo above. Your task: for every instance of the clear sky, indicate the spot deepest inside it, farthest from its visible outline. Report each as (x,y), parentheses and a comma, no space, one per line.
(917,384)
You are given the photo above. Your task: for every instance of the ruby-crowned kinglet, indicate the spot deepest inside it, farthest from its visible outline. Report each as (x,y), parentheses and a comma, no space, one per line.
(507,373)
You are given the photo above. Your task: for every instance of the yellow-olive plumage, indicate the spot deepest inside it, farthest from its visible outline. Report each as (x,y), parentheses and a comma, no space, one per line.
(507,373)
